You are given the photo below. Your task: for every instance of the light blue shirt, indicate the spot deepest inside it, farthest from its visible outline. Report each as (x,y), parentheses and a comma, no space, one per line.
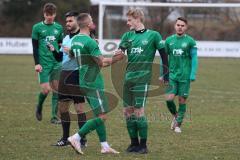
(67,62)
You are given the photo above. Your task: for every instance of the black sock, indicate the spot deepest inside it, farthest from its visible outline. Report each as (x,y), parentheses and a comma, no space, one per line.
(65,120)
(134,141)
(81,120)
(143,142)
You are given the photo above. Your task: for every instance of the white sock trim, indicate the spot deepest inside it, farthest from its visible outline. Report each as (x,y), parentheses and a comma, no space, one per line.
(105,145)
(77,136)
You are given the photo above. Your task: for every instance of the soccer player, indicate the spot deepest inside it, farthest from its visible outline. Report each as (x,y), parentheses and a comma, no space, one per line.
(183,63)
(141,45)
(69,77)
(90,60)
(44,33)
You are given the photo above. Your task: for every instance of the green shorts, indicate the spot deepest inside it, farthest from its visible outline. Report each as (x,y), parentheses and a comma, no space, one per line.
(179,88)
(97,100)
(135,94)
(49,73)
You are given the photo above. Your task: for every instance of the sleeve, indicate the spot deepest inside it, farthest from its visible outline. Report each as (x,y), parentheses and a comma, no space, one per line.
(35,33)
(159,43)
(61,36)
(164,64)
(125,43)
(35,51)
(35,45)
(166,47)
(58,55)
(194,61)
(94,48)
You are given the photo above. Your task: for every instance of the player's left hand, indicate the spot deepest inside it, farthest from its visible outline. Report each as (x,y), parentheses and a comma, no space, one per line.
(192,78)
(50,47)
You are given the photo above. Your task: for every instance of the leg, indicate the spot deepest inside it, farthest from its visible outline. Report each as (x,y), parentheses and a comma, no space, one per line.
(99,104)
(65,121)
(183,91)
(130,117)
(54,77)
(142,128)
(79,107)
(181,109)
(140,96)
(132,128)
(171,93)
(54,117)
(41,98)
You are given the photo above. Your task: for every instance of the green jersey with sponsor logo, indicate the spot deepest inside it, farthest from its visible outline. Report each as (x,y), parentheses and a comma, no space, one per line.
(47,33)
(141,48)
(178,49)
(85,49)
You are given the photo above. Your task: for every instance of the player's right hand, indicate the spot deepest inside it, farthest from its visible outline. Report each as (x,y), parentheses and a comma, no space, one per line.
(38,68)
(118,55)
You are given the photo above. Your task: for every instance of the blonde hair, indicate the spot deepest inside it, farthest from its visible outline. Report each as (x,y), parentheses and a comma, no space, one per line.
(136,13)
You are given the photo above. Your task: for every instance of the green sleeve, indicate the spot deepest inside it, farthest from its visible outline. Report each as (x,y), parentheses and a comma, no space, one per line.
(125,43)
(94,48)
(62,34)
(159,43)
(193,53)
(166,47)
(34,32)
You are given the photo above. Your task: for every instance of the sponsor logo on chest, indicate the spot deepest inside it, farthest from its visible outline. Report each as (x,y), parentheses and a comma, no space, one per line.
(137,50)
(177,52)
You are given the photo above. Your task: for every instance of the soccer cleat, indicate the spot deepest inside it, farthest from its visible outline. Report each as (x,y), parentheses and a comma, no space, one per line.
(83,142)
(109,150)
(142,150)
(132,148)
(174,123)
(61,143)
(38,113)
(75,144)
(55,121)
(177,129)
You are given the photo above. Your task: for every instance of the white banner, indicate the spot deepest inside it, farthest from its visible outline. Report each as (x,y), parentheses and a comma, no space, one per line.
(205,48)
(16,46)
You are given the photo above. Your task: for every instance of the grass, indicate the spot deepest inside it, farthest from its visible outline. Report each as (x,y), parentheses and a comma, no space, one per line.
(210,131)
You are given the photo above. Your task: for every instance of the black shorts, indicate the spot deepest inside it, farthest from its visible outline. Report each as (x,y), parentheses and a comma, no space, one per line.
(68,88)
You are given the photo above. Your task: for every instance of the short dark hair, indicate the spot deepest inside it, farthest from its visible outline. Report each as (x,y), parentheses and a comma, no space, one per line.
(182,19)
(71,14)
(83,19)
(49,8)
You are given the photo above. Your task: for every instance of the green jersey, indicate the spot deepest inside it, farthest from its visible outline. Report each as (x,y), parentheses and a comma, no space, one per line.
(178,49)
(141,48)
(47,33)
(85,49)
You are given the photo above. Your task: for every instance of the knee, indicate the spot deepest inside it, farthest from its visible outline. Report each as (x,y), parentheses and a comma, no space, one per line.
(139,112)
(170,97)
(45,88)
(63,106)
(103,117)
(79,107)
(182,100)
(128,112)
(45,91)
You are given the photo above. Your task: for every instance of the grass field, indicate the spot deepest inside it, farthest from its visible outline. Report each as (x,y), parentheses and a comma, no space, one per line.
(210,132)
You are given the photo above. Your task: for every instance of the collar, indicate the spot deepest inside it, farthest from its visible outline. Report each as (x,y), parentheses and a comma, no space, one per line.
(141,31)
(73,34)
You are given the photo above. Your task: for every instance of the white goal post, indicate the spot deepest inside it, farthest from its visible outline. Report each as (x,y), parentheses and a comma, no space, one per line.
(233,47)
